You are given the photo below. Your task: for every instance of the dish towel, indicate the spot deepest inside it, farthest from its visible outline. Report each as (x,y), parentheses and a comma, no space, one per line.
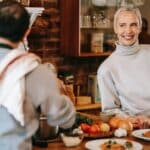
(13,68)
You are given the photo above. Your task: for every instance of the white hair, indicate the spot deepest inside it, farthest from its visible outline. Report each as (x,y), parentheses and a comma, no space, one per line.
(136,11)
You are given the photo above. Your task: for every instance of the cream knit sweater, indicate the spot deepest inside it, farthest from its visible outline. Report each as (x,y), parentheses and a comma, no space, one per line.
(124,80)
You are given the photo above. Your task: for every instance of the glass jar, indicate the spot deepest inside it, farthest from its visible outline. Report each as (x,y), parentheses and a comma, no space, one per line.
(97,42)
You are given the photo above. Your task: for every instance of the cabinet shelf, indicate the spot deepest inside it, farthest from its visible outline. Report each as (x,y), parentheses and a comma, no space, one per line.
(96,28)
(78,40)
(90,54)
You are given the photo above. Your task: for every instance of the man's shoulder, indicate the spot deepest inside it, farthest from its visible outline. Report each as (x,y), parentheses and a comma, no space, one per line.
(41,73)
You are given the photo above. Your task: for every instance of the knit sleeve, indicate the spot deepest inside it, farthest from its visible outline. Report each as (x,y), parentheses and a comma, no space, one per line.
(42,89)
(109,96)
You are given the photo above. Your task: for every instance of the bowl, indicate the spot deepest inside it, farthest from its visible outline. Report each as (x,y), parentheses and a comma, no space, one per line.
(71,140)
(106,116)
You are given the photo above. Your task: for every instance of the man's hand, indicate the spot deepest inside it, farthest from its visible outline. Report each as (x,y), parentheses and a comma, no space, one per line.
(62,87)
(66,90)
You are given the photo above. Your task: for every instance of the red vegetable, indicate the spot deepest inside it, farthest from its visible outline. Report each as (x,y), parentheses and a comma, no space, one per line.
(85,127)
(95,129)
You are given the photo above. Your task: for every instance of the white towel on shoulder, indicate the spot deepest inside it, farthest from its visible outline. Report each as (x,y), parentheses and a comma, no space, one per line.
(13,69)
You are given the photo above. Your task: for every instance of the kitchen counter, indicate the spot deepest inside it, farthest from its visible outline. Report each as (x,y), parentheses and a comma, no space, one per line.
(60,146)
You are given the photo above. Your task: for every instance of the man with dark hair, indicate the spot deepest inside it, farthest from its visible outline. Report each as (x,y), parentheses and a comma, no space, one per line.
(10,24)
(25,84)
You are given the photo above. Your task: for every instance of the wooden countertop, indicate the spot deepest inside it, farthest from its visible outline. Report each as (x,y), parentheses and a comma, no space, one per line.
(60,146)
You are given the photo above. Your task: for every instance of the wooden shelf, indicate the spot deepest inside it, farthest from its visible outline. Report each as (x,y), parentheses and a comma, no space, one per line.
(88,107)
(84,54)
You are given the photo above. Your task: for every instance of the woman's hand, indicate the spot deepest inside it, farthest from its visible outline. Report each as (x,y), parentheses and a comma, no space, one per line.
(141,122)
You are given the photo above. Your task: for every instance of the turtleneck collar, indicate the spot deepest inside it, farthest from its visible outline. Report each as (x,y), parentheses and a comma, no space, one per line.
(127,50)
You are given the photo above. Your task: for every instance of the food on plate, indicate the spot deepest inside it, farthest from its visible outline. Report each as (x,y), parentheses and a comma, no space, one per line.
(147,134)
(128,145)
(113,145)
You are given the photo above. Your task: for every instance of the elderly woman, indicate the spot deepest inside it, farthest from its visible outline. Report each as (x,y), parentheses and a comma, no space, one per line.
(123,78)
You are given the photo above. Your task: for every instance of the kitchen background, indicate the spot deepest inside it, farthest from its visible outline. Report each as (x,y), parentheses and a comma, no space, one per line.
(45,41)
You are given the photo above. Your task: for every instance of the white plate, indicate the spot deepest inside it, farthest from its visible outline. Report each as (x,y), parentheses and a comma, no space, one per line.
(95,144)
(139,134)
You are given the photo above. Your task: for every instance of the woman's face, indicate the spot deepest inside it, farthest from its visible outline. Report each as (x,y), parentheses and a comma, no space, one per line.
(127,28)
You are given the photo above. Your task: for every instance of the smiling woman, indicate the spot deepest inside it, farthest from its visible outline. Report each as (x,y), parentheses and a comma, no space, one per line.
(123,85)
(127,26)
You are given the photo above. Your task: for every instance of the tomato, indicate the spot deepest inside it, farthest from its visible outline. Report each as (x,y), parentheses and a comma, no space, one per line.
(95,129)
(99,123)
(85,127)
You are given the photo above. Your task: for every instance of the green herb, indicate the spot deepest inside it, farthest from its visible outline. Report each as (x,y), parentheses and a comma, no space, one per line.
(82,119)
(114,142)
(128,144)
(110,142)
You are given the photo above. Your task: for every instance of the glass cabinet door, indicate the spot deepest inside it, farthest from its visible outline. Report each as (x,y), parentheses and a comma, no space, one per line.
(96,32)
(87,25)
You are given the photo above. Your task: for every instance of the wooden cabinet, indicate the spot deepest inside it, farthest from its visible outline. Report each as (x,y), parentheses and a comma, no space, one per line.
(85,29)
